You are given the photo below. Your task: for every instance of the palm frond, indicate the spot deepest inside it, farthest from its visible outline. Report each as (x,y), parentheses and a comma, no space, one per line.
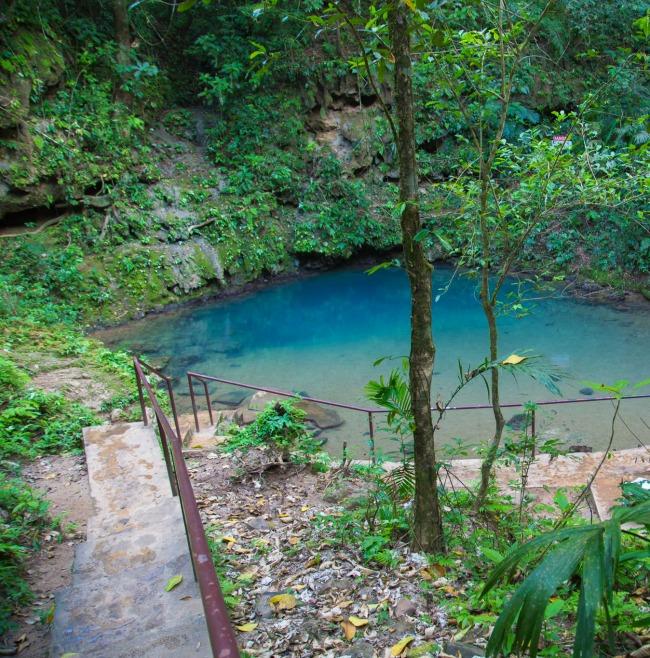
(593,552)
(401,481)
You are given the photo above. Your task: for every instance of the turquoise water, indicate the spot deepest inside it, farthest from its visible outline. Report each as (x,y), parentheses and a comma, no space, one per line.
(320,336)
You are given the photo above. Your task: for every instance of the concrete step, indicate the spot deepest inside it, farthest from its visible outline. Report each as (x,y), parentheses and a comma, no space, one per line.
(168,510)
(189,640)
(125,468)
(103,612)
(137,548)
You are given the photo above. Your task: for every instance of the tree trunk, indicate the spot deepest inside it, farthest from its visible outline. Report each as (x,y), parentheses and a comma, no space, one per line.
(488,304)
(428,535)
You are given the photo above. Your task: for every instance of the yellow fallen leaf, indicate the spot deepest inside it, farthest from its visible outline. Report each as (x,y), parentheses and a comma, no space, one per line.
(283,602)
(228,539)
(247,628)
(348,629)
(304,508)
(357,621)
(174,581)
(426,574)
(513,360)
(344,604)
(399,648)
(294,540)
(438,569)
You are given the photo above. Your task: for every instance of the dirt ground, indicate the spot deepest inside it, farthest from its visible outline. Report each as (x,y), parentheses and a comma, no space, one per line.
(267,527)
(63,480)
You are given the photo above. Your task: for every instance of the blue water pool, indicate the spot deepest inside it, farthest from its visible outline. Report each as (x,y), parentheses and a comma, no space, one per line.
(321,334)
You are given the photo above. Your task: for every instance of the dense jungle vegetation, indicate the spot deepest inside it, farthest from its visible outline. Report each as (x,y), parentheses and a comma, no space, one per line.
(153,152)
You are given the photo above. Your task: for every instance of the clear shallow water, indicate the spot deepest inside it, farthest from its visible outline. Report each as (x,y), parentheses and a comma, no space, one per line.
(320,336)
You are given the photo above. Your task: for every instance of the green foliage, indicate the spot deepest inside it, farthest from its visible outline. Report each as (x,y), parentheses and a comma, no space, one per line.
(23,517)
(281,425)
(36,422)
(593,552)
(12,380)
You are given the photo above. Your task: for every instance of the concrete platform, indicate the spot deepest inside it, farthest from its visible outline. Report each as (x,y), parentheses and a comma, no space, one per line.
(568,471)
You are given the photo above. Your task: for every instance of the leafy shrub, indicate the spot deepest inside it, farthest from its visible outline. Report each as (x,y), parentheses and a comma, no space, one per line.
(592,551)
(281,425)
(37,422)
(12,379)
(23,516)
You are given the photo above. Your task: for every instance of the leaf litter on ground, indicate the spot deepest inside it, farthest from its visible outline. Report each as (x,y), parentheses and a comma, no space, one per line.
(295,593)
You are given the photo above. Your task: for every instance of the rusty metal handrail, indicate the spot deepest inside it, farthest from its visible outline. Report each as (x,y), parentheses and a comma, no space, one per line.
(204,379)
(170,392)
(220,631)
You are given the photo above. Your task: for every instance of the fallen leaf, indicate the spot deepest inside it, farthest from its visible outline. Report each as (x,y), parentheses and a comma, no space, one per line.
(399,648)
(294,540)
(247,628)
(314,562)
(426,574)
(304,508)
(228,539)
(283,602)
(349,630)
(174,581)
(513,360)
(49,616)
(357,621)
(344,604)
(437,569)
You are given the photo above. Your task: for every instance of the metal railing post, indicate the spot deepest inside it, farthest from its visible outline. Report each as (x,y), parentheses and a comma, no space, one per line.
(172,403)
(532,422)
(193,399)
(371,427)
(143,408)
(207,400)
(171,472)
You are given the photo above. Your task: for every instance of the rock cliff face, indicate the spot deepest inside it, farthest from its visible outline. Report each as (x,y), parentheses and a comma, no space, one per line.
(35,69)
(138,195)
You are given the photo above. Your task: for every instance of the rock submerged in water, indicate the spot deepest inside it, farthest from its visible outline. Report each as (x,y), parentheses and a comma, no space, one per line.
(517,422)
(586,391)
(231,398)
(322,417)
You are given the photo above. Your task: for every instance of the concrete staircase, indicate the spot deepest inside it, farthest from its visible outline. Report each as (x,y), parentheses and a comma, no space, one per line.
(117,605)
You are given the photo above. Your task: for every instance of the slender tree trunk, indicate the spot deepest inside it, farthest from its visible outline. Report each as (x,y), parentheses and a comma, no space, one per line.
(487,302)
(428,521)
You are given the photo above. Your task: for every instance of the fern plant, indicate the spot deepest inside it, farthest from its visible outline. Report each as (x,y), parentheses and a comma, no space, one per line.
(591,552)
